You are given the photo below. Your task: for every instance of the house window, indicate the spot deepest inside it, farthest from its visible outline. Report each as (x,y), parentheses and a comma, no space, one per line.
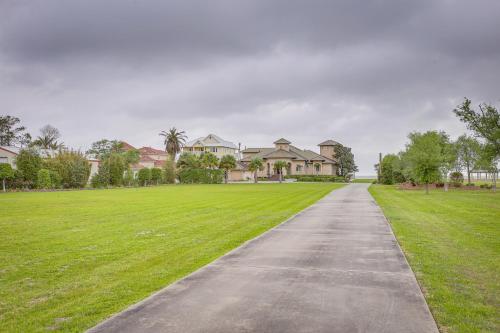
(318,167)
(298,168)
(213,149)
(4,160)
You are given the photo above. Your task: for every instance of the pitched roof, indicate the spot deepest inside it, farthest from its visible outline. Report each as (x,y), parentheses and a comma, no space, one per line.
(204,141)
(281,153)
(329,143)
(282,140)
(126,146)
(11,149)
(151,151)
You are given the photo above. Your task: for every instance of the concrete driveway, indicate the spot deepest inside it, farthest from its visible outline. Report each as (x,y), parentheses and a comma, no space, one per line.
(335,267)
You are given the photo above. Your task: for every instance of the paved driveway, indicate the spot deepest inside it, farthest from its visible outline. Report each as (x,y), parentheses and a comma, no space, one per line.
(335,267)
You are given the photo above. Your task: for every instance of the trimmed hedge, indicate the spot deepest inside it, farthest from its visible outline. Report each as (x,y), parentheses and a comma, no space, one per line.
(317,178)
(201,176)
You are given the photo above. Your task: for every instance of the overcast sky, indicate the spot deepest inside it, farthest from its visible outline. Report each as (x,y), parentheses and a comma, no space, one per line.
(364,73)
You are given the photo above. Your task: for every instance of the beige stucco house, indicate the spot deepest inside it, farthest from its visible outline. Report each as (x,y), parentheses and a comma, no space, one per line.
(299,161)
(211,143)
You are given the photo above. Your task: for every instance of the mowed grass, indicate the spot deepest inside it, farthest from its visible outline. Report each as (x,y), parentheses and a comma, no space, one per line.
(70,259)
(452,241)
(363,180)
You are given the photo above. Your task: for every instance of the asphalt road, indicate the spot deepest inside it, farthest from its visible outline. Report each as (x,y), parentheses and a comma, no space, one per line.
(335,267)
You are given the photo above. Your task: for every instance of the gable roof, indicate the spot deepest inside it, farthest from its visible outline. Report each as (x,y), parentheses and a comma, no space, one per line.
(151,151)
(329,143)
(126,146)
(283,141)
(11,149)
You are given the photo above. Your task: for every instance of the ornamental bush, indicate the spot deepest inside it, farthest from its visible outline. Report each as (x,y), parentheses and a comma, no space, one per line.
(155,176)
(144,176)
(28,162)
(456,178)
(43,179)
(72,168)
(317,178)
(201,176)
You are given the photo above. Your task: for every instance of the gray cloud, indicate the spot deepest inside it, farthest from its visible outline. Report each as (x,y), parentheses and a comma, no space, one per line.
(361,72)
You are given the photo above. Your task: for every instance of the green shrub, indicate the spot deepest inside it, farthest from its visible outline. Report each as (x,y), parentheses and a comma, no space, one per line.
(55,179)
(72,168)
(456,178)
(155,176)
(317,178)
(28,162)
(117,166)
(43,179)
(144,176)
(201,176)
(128,178)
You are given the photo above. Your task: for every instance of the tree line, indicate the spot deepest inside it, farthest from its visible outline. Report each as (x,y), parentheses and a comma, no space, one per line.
(432,157)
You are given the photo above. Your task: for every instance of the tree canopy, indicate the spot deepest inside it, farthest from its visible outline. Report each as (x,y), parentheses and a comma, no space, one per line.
(11,133)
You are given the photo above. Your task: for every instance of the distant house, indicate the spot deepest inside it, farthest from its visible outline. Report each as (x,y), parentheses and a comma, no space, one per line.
(149,157)
(211,143)
(299,161)
(8,155)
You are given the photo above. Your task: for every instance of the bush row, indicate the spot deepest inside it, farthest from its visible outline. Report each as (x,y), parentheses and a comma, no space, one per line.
(317,178)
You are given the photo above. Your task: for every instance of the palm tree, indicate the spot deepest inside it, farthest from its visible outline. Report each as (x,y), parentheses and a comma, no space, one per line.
(209,160)
(174,140)
(227,162)
(48,138)
(279,166)
(255,165)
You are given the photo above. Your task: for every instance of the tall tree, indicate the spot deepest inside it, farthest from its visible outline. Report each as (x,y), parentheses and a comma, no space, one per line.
(488,160)
(11,134)
(104,147)
(468,152)
(48,138)
(173,140)
(6,172)
(227,163)
(425,155)
(256,165)
(345,160)
(485,123)
(279,166)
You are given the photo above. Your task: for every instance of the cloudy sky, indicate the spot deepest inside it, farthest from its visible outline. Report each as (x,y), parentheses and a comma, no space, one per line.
(364,73)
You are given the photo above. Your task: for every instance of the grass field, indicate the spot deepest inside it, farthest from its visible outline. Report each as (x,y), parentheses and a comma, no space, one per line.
(452,241)
(363,180)
(70,259)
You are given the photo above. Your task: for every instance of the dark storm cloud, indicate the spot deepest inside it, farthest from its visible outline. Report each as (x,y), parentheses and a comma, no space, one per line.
(361,72)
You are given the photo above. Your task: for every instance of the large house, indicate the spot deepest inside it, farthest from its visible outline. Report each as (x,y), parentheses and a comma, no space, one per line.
(299,161)
(211,143)
(148,157)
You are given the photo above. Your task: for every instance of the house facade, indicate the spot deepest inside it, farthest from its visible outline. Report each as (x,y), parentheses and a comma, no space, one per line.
(148,157)
(299,161)
(8,155)
(213,144)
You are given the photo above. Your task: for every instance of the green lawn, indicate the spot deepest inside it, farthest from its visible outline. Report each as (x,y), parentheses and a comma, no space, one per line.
(452,241)
(70,259)
(363,180)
